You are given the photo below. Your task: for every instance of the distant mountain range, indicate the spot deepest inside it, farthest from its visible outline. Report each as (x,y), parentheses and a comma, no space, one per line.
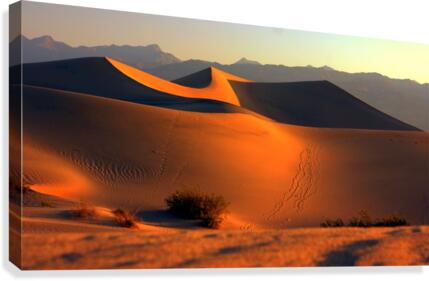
(404,99)
(45,48)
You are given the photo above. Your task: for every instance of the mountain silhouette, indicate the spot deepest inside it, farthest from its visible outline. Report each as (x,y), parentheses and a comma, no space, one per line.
(45,48)
(243,60)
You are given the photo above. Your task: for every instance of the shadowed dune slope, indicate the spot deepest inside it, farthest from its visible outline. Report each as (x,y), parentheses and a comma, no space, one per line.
(315,104)
(198,79)
(87,75)
(121,154)
(205,77)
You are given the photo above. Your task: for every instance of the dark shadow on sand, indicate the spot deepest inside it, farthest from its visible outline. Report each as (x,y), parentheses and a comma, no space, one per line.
(166,219)
(347,255)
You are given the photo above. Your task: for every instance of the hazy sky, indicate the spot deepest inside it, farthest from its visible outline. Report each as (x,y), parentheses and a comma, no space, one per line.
(225,42)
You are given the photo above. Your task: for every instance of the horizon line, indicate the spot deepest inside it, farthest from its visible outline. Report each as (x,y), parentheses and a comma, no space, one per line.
(214,62)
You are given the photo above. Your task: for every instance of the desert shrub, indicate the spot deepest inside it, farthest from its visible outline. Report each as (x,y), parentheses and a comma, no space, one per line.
(391,221)
(84,211)
(195,204)
(46,204)
(214,208)
(125,218)
(362,220)
(332,223)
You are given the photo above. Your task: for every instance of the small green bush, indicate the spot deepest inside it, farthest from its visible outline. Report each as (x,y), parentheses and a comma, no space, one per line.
(195,204)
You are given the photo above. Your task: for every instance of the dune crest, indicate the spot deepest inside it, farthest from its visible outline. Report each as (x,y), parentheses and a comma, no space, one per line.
(219,88)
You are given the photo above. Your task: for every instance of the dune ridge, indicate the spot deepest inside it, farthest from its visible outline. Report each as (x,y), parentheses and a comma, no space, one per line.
(218,88)
(96,76)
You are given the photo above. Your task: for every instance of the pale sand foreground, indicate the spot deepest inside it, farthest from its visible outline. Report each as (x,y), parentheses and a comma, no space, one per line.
(233,248)
(52,240)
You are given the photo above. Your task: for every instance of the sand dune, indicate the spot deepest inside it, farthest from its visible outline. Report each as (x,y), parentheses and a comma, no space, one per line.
(161,160)
(109,78)
(217,88)
(313,103)
(316,104)
(274,175)
(100,132)
(97,76)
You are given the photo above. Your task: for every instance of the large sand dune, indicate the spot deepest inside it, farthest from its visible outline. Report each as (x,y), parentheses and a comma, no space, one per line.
(313,103)
(100,132)
(109,78)
(218,87)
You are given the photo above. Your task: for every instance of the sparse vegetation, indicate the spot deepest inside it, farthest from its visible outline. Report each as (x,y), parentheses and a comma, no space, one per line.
(125,218)
(195,204)
(84,211)
(391,221)
(364,220)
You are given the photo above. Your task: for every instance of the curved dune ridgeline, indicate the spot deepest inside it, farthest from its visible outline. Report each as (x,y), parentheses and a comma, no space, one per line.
(217,89)
(100,131)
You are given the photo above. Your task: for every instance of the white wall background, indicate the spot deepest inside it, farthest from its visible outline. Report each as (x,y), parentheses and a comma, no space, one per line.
(405,20)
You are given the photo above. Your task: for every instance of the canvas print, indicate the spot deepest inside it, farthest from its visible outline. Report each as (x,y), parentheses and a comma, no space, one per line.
(146,141)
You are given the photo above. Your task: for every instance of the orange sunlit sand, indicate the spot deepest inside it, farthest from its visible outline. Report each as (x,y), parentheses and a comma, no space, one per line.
(219,88)
(113,136)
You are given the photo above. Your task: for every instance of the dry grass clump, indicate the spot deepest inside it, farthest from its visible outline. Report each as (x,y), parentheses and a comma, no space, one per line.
(364,220)
(125,218)
(195,204)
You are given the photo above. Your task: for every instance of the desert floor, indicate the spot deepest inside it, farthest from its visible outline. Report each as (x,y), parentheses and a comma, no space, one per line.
(53,240)
(234,248)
